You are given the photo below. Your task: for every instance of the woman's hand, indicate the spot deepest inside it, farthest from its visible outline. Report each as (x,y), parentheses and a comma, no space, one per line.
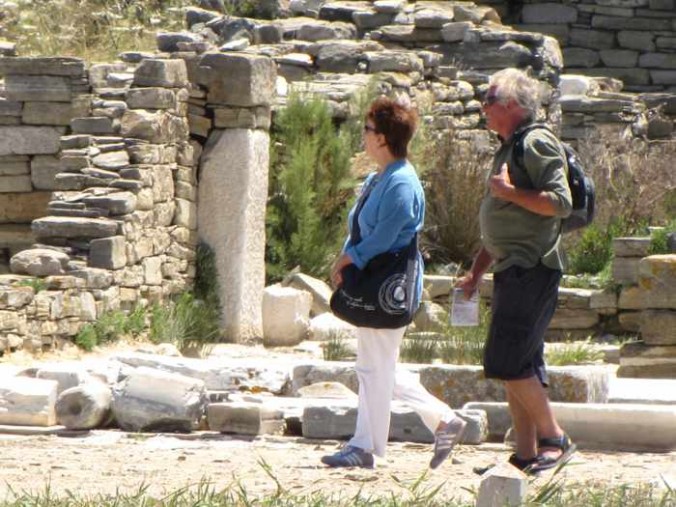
(336,270)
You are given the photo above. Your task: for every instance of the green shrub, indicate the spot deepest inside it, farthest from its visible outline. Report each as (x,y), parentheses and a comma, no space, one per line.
(111,326)
(184,322)
(418,348)
(206,287)
(135,323)
(86,338)
(593,252)
(38,284)
(453,175)
(465,345)
(335,348)
(658,240)
(310,190)
(563,354)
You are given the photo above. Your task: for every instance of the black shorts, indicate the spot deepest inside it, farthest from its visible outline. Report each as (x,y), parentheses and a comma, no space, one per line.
(524,300)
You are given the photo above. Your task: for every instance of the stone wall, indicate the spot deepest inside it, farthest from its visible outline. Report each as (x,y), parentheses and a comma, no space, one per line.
(113,164)
(111,170)
(630,40)
(114,151)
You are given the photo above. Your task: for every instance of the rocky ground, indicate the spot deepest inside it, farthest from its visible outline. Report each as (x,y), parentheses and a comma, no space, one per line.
(103,461)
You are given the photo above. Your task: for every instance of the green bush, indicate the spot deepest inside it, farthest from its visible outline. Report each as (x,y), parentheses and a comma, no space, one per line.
(453,176)
(418,348)
(86,338)
(465,345)
(206,287)
(310,190)
(335,348)
(184,322)
(38,284)
(111,326)
(658,242)
(593,251)
(563,354)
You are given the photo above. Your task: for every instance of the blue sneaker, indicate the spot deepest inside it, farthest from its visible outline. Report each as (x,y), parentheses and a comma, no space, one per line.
(349,456)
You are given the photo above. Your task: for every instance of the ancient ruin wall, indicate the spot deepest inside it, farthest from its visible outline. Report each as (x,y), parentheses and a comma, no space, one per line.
(631,40)
(121,220)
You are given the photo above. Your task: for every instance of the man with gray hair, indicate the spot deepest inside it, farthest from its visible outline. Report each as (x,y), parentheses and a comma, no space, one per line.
(520,218)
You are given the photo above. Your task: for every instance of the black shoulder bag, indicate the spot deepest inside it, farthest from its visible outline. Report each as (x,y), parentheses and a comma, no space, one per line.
(383,294)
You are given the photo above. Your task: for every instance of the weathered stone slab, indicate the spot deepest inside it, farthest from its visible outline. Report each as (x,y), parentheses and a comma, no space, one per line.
(286,315)
(66,375)
(151,98)
(38,88)
(457,385)
(658,327)
(11,184)
(327,326)
(15,297)
(618,426)
(27,401)
(438,285)
(631,247)
(24,140)
(155,127)
(245,418)
(625,270)
(338,421)
(23,207)
(53,66)
(237,79)
(107,253)
(657,279)
(53,113)
(39,262)
(642,361)
(73,227)
(150,399)
(220,374)
(162,73)
(574,318)
(320,291)
(118,203)
(549,13)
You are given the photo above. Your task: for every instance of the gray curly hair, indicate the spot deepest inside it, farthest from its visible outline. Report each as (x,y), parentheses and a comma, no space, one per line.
(517,85)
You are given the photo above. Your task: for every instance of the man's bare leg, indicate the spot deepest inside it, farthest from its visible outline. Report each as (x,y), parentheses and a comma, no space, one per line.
(532,397)
(524,428)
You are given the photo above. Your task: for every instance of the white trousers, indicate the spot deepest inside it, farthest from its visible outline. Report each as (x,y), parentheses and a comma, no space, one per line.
(379,381)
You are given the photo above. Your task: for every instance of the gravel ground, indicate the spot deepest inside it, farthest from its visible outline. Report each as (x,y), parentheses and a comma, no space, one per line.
(104,461)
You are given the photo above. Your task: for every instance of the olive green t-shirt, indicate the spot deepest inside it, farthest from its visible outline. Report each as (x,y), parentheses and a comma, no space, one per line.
(512,235)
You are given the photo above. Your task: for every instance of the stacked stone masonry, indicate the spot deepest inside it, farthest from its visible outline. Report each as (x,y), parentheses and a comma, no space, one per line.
(630,40)
(113,149)
(104,158)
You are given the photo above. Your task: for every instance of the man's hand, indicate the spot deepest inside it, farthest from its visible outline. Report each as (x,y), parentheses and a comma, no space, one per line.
(468,284)
(500,185)
(336,270)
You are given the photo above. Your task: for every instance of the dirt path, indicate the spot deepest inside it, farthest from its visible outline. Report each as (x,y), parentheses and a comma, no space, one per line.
(104,461)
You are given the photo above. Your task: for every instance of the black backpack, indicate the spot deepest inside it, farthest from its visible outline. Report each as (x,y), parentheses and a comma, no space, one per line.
(581,185)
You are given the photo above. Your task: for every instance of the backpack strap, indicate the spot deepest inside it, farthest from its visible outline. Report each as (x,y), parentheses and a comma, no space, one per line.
(517,142)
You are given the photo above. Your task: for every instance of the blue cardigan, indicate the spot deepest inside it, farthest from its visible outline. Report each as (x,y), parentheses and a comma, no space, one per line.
(392,214)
